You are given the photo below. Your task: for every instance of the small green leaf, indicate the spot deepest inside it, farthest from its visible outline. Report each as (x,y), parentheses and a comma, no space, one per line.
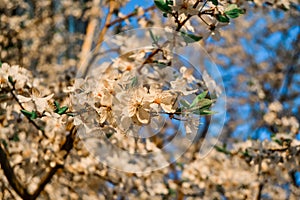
(184,103)
(246,153)
(163,5)
(190,38)
(16,138)
(198,98)
(62,110)
(56,104)
(222,18)
(233,11)
(0,64)
(172,192)
(207,112)
(222,149)
(32,115)
(215,2)
(26,113)
(170,2)
(108,135)
(134,82)
(201,104)
(280,142)
(231,7)
(153,37)
(11,80)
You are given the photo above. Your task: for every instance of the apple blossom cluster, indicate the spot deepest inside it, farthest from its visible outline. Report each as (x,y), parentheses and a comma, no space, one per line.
(126,95)
(191,15)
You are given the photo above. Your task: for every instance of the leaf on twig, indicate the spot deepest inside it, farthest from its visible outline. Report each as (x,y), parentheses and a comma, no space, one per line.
(32,115)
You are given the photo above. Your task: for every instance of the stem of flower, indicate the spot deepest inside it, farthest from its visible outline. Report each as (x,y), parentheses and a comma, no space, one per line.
(22,107)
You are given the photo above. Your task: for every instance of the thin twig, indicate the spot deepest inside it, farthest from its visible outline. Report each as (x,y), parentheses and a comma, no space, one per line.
(10,175)
(112,5)
(259,174)
(67,146)
(22,107)
(14,182)
(118,20)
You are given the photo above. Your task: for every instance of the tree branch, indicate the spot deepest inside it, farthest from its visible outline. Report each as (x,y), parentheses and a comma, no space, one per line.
(67,146)
(14,182)
(10,175)
(128,16)
(29,119)
(112,5)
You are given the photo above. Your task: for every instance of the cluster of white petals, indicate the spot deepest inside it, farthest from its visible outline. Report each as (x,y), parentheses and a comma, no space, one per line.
(127,95)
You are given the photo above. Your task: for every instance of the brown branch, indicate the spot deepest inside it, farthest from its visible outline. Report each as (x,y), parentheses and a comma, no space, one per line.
(259,173)
(14,182)
(147,60)
(179,26)
(88,40)
(67,146)
(112,5)
(129,16)
(10,175)
(260,188)
(22,107)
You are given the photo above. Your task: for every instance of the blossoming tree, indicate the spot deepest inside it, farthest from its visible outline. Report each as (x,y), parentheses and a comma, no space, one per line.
(103,100)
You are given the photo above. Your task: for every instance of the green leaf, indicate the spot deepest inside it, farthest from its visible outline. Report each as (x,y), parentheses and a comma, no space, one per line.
(278,141)
(32,115)
(222,149)
(198,98)
(184,103)
(190,38)
(0,64)
(134,82)
(172,192)
(203,111)
(207,112)
(215,2)
(16,138)
(246,153)
(230,7)
(26,113)
(56,104)
(163,5)
(233,11)
(62,110)
(108,135)
(154,37)
(11,80)
(201,104)
(222,18)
